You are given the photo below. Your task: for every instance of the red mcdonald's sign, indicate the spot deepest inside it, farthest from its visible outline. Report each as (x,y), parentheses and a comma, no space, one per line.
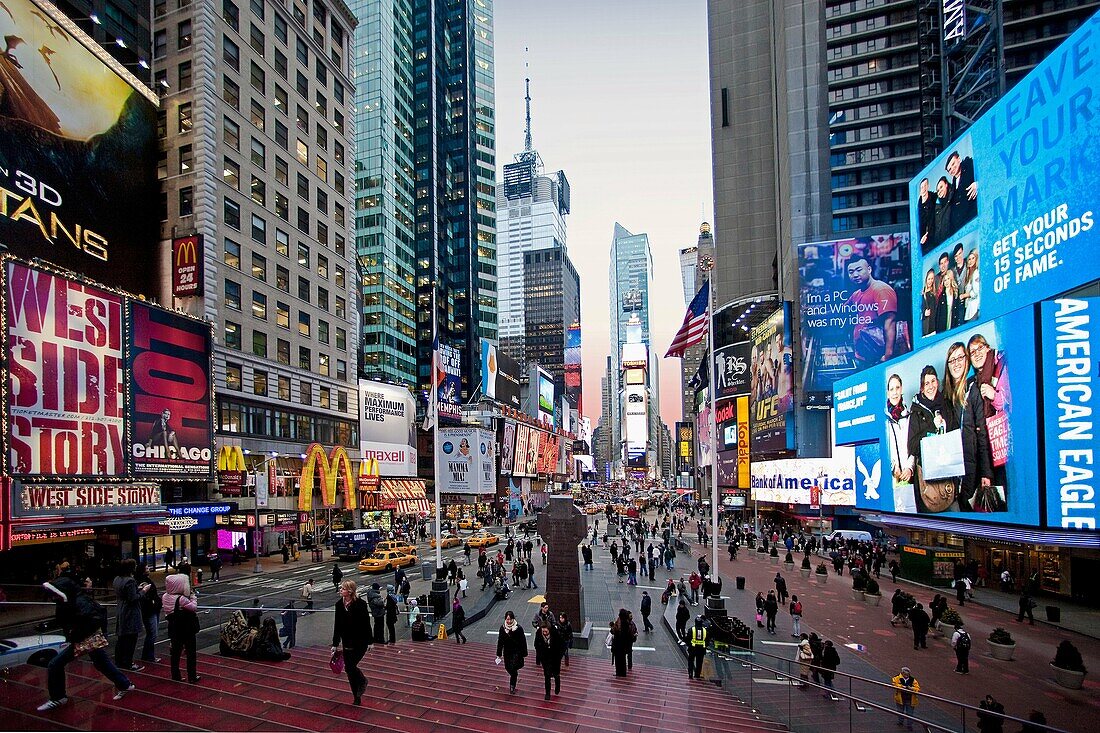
(187,266)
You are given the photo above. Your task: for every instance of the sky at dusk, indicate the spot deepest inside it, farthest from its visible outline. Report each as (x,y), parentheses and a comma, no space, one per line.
(620,102)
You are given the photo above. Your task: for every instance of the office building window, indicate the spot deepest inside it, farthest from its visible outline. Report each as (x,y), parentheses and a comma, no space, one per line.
(324,395)
(231,93)
(341,339)
(304,324)
(280,28)
(259,344)
(259,229)
(282,352)
(183,118)
(187,201)
(303,288)
(284,388)
(233,377)
(232,335)
(231,133)
(259,267)
(258,116)
(232,256)
(342,373)
(259,193)
(231,54)
(305,358)
(305,392)
(160,44)
(322,331)
(231,173)
(184,75)
(322,298)
(282,278)
(186,158)
(259,154)
(341,396)
(282,171)
(282,314)
(259,383)
(233,294)
(282,243)
(259,306)
(183,34)
(232,214)
(231,15)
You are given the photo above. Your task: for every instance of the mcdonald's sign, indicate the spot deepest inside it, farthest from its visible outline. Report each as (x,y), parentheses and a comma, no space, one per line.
(187,266)
(231,470)
(370,483)
(330,467)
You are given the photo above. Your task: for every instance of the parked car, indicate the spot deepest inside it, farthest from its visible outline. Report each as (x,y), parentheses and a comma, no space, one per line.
(384,561)
(36,649)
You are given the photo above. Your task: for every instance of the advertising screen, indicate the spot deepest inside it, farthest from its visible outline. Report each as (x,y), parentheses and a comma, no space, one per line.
(520,465)
(573,366)
(771,383)
(535,439)
(387,427)
(507,447)
(487,464)
(459,469)
(546,395)
(77,153)
(731,370)
(855,308)
(1004,217)
(824,481)
(449,379)
(168,370)
(501,375)
(1071,400)
(955,425)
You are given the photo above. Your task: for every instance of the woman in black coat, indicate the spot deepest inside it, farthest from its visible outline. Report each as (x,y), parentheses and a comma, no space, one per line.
(830,660)
(623,635)
(458,621)
(511,648)
(965,411)
(549,650)
(352,628)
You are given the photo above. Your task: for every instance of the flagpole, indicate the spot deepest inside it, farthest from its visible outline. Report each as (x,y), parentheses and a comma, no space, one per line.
(435,436)
(713,428)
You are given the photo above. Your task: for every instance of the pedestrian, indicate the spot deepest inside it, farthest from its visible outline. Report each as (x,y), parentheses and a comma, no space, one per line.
(632,571)
(894,568)
(683,613)
(646,609)
(351,630)
(695,582)
(182,607)
(128,615)
(289,617)
(960,642)
(732,550)
(991,718)
(817,648)
(458,621)
(377,607)
(905,696)
(918,619)
(391,614)
(543,549)
(286,553)
(452,572)
(804,655)
(150,613)
(255,615)
(1027,604)
(623,635)
(549,651)
(830,660)
(566,630)
(780,588)
(463,584)
(771,608)
(796,616)
(960,591)
(697,649)
(759,609)
(169,558)
(337,575)
(307,596)
(511,648)
(83,622)
(531,574)
(586,554)
(215,567)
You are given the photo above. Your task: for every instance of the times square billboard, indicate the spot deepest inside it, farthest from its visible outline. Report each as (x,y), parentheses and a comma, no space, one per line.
(78,185)
(101,385)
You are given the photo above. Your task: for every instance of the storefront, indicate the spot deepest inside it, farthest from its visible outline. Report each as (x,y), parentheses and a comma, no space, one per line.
(405,496)
(189,530)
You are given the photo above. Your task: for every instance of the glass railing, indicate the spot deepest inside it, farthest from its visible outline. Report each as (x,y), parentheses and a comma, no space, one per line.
(774,687)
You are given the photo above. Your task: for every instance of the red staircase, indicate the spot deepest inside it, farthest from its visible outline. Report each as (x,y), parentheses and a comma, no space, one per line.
(433,686)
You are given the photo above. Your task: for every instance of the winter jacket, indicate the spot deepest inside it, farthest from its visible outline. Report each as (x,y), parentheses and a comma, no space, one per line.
(458,619)
(902,695)
(128,597)
(512,647)
(549,652)
(374,600)
(391,609)
(351,625)
(977,458)
(830,658)
(177,586)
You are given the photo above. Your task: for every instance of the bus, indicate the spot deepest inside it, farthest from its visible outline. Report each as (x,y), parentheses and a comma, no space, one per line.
(355,543)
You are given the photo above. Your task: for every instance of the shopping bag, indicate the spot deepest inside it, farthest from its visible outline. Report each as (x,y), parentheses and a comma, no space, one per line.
(942,455)
(997,428)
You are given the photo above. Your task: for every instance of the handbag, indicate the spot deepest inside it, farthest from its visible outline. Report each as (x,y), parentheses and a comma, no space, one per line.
(936,496)
(90,644)
(182,623)
(942,455)
(989,499)
(336,662)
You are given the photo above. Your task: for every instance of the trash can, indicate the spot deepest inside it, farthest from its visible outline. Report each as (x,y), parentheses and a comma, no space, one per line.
(427,569)
(740,582)
(1054,614)
(318,554)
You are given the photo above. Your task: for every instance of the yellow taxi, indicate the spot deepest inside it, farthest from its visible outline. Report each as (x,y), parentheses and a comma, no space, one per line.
(469,523)
(402,547)
(592,509)
(383,560)
(483,539)
(448,540)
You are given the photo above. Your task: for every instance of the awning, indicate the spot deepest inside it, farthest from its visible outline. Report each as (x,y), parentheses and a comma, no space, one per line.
(405,496)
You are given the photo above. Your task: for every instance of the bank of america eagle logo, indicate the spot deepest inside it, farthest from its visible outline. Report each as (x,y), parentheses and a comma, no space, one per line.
(871,479)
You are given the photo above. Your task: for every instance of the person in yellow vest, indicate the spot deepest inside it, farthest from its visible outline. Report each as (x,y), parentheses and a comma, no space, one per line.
(697,649)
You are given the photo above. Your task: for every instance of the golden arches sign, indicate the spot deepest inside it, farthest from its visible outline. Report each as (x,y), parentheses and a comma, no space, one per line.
(231,458)
(329,468)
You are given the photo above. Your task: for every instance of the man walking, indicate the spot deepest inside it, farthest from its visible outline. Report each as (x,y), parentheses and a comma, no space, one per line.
(697,649)
(647,607)
(920,621)
(960,642)
(378,612)
(905,696)
(307,596)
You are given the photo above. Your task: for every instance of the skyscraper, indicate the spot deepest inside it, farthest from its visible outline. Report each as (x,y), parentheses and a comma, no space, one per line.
(385,188)
(693,279)
(551,302)
(454,144)
(256,159)
(531,210)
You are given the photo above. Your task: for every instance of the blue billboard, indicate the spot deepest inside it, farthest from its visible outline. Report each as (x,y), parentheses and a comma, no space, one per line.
(1004,217)
(1071,401)
(952,425)
(855,308)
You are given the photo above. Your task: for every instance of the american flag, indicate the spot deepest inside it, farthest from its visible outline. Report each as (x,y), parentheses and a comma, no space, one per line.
(694,328)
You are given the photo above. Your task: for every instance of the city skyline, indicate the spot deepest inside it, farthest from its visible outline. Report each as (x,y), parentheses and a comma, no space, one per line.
(624,144)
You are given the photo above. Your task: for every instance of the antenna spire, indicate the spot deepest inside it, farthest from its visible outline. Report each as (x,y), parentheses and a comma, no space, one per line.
(527,129)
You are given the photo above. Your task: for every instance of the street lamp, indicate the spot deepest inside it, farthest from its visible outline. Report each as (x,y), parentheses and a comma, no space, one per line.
(258,568)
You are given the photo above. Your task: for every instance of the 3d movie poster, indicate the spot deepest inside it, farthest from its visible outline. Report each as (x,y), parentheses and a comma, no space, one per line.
(771,383)
(78,149)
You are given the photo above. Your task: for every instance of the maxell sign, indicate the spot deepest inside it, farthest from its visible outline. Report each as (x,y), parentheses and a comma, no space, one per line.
(387,414)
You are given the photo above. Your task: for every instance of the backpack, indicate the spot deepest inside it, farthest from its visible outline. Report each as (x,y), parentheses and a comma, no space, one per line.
(796,608)
(963,644)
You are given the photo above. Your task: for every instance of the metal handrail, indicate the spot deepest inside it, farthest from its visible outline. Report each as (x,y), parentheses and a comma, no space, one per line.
(885,685)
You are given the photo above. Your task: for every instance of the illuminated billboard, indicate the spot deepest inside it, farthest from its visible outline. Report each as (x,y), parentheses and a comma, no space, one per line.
(546,395)
(816,481)
(468,462)
(1005,216)
(855,308)
(951,428)
(78,151)
(771,383)
(573,366)
(100,385)
(501,375)
(387,427)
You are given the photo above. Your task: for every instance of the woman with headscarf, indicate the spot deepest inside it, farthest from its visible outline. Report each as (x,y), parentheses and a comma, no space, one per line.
(511,648)
(925,418)
(964,411)
(352,628)
(991,378)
